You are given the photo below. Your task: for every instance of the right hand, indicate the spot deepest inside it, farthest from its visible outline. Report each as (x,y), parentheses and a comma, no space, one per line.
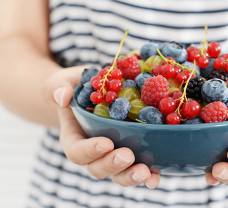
(97,153)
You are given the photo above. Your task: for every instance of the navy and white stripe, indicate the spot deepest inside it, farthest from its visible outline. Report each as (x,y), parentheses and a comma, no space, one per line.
(89,32)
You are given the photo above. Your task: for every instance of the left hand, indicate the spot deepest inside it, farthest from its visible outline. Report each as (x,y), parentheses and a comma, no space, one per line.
(219,174)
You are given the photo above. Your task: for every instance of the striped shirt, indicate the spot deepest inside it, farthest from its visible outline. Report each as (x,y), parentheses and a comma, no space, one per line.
(88,32)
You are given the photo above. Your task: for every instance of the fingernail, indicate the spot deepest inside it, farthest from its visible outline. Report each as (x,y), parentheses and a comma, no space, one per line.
(120,159)
(150,185)
(102,148)
(59,95)
(223,174)
(138,177)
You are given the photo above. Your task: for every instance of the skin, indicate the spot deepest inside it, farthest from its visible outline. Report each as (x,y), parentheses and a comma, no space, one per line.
(34,87)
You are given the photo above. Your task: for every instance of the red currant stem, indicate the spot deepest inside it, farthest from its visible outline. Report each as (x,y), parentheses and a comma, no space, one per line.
(105,78)
(184,95)
(204,44)
(173,62)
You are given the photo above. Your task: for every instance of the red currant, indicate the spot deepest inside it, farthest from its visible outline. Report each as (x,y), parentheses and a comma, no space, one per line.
(219,63)
(214,49)
(110,97)
(103,71)
(225,56)
(168,71)
(114,85)
(225,67)
(177,69)
(96,82)
(176,95)
(173,119)
(96,97)
(116,74)
(193,53)
(191,109)
(182,77)
(157,70)
(202,62)
(167,105)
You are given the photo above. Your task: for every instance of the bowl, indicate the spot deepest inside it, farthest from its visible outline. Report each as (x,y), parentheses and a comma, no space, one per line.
(178,150)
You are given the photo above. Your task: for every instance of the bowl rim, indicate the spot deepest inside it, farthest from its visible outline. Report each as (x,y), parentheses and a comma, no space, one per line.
(74,104)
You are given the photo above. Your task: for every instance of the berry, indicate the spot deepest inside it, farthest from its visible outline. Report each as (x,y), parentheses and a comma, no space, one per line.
(136,106)
(119,109)
(129,67)
(151,115)
(173,119)
(214,49)
(167,105)
(194,87)
(214,112)
(193,53)
(193,121)
(96,97)
(148,50)
(101,110)
(207,71)
(220,75)
(116,74)
(96,82)
(219,63)
(103,71)
(114,85)
(141,78)
(191,109)
(110,96)
(168,71)
(83,97)
(176,95)
(182,77)
(129,93)
(214,90)
(202,62)
(129,83)
(154,89)
(174,50)
(87,74)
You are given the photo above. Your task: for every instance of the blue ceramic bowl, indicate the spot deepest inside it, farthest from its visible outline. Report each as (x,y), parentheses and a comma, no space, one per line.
(174,150)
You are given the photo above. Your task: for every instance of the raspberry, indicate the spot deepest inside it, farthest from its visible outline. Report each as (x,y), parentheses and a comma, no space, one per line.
(154,89)
(214,112)
(129,67)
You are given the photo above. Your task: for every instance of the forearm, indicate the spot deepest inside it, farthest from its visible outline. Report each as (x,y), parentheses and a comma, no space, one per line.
(24,70)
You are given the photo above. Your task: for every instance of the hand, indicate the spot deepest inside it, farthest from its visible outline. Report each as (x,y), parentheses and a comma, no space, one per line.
(98,153)
(219,174)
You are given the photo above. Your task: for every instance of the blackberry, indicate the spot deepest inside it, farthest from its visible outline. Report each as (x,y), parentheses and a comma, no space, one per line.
(219,75)
(194,87)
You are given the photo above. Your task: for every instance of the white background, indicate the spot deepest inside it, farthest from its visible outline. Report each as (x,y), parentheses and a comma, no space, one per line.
(18,141)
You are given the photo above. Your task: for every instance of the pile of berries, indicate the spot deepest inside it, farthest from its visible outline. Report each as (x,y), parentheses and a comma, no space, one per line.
(163,83)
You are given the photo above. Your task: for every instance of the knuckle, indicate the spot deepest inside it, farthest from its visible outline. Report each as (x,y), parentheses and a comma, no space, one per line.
(95,174)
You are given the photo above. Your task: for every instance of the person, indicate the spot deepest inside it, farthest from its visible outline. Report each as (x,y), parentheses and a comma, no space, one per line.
(40,38)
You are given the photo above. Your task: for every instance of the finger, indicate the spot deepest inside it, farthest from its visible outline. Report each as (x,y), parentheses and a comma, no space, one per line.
(211,180)
(113,163)
(134,175)
(85,151)
(63,95)
(153,181)
(220,172)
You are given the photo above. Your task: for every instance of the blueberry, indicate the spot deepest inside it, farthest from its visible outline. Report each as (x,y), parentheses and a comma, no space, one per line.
(206,72)
(151,115)
(141,78)
(194,121)
(192,66)
(83,97)
(174,50)
(119,109)
(129,83)
(214,90)
(88,74)
(148,50)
